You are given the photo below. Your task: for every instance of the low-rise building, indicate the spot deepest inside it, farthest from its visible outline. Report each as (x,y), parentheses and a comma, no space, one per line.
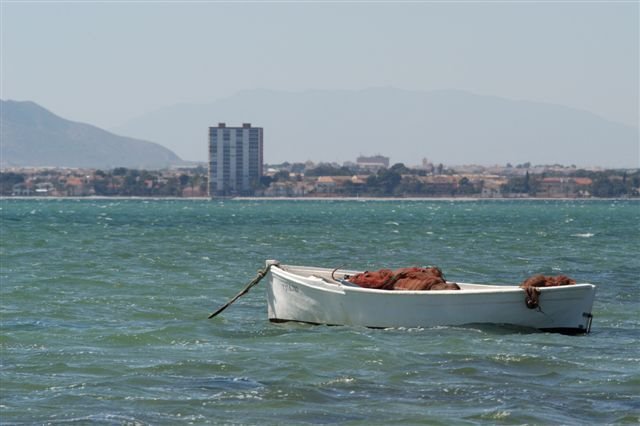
(373,163)
(563,187)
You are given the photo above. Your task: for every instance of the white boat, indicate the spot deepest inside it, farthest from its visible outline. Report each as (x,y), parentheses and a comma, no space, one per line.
(312,295)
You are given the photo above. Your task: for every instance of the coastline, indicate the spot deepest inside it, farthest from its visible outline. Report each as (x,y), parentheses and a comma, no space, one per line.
(360,199)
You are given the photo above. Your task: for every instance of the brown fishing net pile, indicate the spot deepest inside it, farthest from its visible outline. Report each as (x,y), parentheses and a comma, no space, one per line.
(547,281)
(532,284)
(404,279)
(433,279)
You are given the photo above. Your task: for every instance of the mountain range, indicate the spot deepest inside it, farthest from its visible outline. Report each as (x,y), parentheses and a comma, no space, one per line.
(32,136)
(446,126)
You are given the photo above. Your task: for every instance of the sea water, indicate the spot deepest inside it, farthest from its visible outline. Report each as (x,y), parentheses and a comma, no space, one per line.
(104,304)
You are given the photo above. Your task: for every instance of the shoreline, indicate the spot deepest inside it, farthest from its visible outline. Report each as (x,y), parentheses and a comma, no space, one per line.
(361,199)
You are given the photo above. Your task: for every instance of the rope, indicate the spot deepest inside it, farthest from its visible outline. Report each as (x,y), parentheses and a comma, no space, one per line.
(334,271)
(532,299)
(261,274)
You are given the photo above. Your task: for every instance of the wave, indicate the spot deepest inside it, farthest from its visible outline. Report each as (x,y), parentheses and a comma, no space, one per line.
(585,235)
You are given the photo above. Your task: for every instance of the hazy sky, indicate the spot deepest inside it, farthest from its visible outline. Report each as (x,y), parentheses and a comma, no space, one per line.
(106,62)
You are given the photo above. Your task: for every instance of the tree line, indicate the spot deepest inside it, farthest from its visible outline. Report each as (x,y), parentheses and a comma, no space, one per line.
(395,181)
(120,181)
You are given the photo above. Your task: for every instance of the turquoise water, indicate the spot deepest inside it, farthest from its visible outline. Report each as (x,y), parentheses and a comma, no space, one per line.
(103,307)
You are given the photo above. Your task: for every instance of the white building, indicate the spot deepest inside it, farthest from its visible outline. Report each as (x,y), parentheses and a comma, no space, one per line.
(373,163)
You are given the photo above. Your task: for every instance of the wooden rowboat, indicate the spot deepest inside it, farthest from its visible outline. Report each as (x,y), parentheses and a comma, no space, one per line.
(312,295)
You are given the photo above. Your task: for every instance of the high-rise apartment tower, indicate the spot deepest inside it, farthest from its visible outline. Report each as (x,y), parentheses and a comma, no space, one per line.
(235,160)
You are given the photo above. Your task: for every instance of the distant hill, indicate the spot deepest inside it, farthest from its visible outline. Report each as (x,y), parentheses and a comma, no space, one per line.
(446,126)
(31,136)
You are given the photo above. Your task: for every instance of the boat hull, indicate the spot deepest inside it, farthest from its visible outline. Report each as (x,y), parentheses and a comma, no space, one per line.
(309,295)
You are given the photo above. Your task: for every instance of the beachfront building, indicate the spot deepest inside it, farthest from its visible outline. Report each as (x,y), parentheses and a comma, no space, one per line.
(373,163)
(235,160)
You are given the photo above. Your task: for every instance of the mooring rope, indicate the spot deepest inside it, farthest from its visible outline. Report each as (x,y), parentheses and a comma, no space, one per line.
(261,274)
(532,299)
